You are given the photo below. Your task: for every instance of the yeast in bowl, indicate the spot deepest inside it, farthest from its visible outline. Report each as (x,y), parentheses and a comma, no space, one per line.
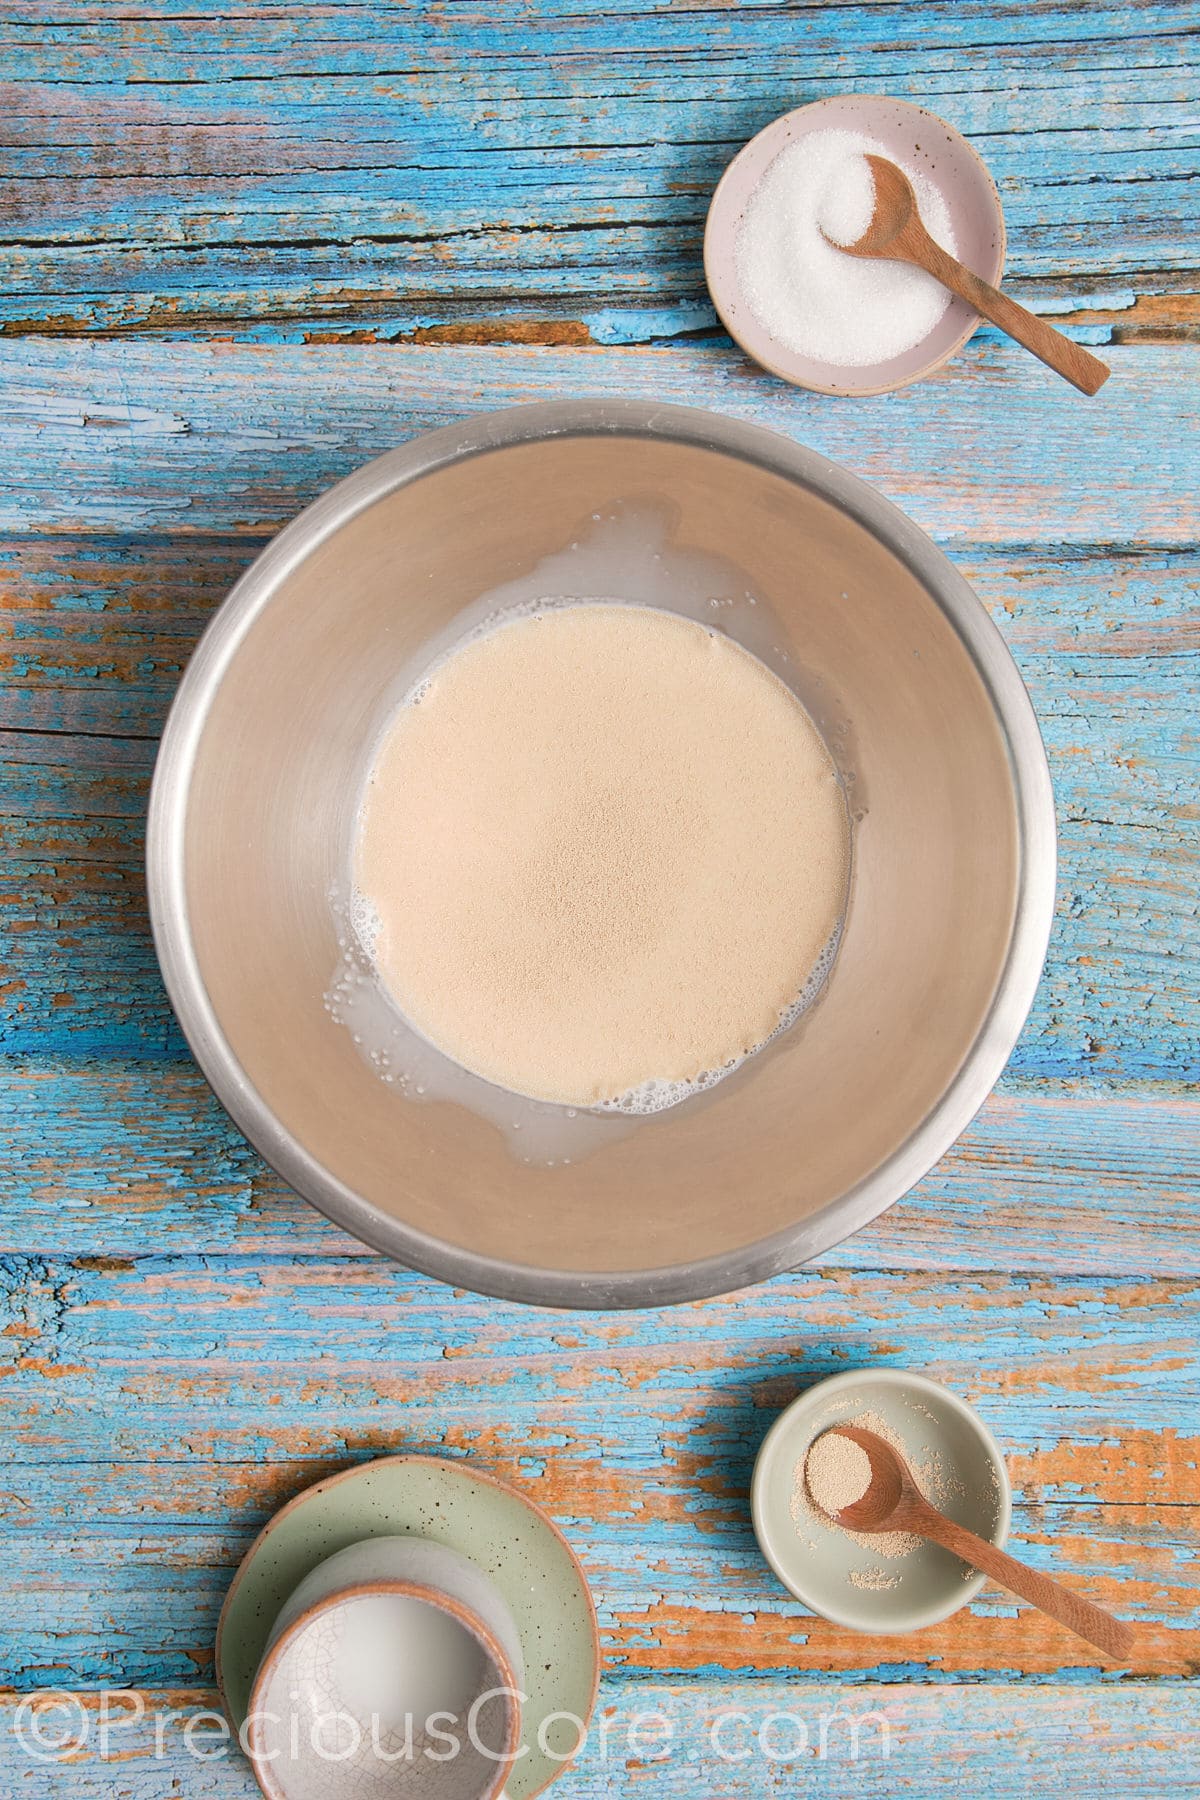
(255,804)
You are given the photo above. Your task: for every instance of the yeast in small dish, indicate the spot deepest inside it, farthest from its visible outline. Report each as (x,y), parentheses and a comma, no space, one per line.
(602,856)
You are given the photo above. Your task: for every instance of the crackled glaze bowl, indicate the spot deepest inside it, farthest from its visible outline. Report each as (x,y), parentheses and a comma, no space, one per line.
(394,1669)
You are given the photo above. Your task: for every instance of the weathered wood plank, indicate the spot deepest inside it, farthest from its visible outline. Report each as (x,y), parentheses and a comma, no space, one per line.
(119,437)
(1106,644)
(1108,647)
(600,1483)
(115,1159)
(79,978)
(658,1511)
(97,630)
(147,1351)
(177,171)
(1090,308)
(195,1400)
(178,42)
(1109,676)
(139,1605)
(423,177)
(1078,1738)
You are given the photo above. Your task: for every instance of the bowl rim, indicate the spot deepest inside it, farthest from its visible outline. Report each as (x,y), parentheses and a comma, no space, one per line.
(722,290)
(919,1616)
(406,1588)
(780,1251)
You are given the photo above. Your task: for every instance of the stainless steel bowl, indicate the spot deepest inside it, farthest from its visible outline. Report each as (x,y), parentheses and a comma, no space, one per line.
(951,898)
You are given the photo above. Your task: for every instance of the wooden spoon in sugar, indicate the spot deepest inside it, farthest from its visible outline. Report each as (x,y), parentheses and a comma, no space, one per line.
(896,234)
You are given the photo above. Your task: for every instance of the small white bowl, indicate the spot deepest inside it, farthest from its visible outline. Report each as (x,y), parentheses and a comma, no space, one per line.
(855,1583)
(911,135)
(394,1668)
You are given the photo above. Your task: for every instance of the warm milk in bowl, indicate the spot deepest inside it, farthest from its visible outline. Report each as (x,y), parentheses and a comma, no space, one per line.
(602,854)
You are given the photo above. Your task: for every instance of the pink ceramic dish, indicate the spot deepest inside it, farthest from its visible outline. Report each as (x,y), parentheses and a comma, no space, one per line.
(910,134)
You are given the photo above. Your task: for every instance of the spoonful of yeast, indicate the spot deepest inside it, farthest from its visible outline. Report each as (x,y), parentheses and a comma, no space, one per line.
(896,234)
(892,1501)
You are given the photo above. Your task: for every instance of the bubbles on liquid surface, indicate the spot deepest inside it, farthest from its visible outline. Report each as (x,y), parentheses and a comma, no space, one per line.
(656,1096)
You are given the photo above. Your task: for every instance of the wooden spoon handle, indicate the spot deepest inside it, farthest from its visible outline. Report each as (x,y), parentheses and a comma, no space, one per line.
(1109,1634)
(1070,360)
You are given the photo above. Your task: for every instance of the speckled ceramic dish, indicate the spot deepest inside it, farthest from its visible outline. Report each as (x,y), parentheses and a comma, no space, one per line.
(394,1668)
(908,133)
(857,1583)
(504,1535)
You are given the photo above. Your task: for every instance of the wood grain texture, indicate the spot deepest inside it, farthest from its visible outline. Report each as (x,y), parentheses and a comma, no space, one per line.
(675,1740)
(155,437)
(78,974)
(304,234)
(139,1606)
(95,628)
(192,167)
(201,1394)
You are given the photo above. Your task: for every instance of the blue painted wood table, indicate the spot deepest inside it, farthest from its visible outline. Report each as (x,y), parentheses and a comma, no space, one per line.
(245,248)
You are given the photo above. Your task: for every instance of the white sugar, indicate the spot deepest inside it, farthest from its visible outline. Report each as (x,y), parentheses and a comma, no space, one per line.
(812,297)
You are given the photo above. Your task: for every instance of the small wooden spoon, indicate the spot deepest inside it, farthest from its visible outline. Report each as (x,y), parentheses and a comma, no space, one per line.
(893,1502)
(897,234)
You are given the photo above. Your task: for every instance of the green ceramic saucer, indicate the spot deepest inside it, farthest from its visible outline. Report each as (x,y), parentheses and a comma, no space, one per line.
(506,1535)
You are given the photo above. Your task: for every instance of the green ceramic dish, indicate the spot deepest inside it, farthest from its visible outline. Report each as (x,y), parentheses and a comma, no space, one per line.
(856,1584)
(508,1537)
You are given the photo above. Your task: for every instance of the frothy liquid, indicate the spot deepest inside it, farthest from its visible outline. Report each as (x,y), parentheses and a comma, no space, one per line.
(604,854)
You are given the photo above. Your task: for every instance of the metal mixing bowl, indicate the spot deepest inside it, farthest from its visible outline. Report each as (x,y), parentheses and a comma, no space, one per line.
(252,813)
